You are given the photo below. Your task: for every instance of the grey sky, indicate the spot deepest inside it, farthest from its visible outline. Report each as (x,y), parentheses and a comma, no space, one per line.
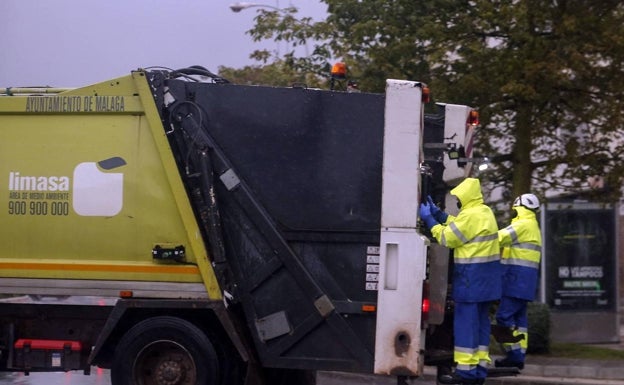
(73,43)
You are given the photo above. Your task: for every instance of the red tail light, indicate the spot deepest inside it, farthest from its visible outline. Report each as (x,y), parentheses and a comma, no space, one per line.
(426,305)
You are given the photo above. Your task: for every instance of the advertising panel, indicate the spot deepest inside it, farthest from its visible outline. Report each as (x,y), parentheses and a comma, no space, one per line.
(580,257)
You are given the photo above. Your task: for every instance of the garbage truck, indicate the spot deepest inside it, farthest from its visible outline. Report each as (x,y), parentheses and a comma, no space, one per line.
(179,229)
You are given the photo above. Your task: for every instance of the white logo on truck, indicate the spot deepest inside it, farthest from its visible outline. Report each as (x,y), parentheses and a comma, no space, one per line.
(18,182)
(97,191)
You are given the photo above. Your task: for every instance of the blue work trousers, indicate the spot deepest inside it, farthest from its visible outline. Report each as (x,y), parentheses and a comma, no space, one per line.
(472,339)
(512,313)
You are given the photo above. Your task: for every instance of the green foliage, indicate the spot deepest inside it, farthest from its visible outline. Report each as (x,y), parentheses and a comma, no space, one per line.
(295,36)
(539,328)
(540,344)
(547,77)
(586,352)
(278,73)
(546,103)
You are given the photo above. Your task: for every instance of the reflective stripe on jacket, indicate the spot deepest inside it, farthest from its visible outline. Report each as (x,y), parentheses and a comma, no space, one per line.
(473,236)
(522,249)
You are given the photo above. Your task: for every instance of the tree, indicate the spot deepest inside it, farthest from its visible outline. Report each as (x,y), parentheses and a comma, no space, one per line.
(285,69)
(547,77)
(549,81)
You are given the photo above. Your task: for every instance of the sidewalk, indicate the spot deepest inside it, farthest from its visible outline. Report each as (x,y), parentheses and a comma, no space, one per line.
(553,370)
(538,370)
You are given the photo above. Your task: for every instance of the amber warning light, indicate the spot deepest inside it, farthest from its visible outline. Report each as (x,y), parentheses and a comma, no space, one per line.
(473,118)
(426,94)
(339,70)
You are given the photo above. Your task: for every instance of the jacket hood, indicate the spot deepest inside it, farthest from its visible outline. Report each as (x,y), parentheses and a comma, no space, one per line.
(523,213)
(468,192)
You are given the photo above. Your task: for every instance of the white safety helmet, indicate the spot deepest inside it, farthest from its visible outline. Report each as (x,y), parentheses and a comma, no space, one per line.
(529,201)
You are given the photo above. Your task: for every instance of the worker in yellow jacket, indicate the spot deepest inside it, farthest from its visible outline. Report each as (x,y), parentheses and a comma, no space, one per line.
(522,246)
(473,235)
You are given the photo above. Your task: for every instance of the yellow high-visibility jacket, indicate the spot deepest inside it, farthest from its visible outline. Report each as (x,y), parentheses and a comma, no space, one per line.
(473,234)
(522,249)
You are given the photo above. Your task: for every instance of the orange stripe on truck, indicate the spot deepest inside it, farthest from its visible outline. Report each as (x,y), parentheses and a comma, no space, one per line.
(100,267)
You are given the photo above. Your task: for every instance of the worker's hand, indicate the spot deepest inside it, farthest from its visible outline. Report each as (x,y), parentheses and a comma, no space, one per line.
(435,210)
(426,216)
(425,210)
(438,214)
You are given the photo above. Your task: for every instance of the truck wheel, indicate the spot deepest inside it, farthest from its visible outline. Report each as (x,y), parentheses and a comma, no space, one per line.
(164,351)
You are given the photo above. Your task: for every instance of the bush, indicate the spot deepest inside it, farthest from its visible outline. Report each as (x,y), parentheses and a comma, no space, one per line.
(539,328)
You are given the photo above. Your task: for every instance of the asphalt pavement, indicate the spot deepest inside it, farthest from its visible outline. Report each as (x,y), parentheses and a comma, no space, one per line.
(538,370)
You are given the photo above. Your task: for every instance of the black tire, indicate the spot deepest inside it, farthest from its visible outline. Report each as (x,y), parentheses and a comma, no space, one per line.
(165,351)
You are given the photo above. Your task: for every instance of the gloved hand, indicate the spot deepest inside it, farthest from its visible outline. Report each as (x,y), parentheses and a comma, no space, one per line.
(426,216)
(438,214)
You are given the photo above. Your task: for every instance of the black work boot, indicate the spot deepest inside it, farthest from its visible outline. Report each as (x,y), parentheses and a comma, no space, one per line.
(505,363)
(503,334)
(454,378)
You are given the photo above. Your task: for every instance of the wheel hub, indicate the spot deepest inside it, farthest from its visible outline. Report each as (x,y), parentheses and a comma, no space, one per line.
(170,373)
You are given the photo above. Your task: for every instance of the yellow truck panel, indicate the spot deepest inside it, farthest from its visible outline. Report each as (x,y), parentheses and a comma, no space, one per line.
(91,189)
